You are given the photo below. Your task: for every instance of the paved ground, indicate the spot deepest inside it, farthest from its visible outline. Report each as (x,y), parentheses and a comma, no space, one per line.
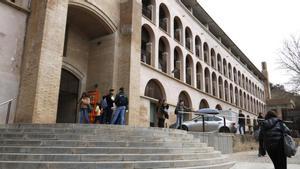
(250,160)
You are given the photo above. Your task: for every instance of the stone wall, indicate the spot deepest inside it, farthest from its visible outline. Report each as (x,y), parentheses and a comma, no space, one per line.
(12,34)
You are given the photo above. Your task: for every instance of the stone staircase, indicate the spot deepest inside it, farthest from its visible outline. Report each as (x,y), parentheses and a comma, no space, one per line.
(75,146)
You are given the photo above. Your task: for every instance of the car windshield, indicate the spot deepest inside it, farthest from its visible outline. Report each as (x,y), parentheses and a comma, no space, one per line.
(208,118)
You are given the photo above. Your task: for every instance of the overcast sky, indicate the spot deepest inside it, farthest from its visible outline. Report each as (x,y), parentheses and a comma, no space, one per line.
(258,27)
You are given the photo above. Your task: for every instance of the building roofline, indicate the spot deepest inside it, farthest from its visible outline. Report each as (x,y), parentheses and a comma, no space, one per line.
(216,30)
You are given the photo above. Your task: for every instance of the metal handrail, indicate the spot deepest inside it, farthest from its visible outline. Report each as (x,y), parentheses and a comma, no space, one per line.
(9,102)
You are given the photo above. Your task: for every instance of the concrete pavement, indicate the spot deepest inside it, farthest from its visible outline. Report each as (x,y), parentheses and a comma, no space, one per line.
(250,160)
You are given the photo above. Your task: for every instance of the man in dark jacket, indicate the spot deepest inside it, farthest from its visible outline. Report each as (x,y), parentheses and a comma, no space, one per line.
(121,102)
(108,109)
(271,140)
(241,122)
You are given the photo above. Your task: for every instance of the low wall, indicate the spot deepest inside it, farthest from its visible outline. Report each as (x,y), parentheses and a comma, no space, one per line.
(220,141)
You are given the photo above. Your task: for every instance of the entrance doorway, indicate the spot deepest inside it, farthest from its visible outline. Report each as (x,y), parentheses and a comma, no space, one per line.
(68,97)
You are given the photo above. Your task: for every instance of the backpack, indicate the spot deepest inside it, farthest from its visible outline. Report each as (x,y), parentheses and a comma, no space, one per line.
(121,101)
(103,103)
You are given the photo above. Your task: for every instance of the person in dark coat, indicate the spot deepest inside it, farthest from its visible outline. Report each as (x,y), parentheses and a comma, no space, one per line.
(161,112)
(271,139)
(108,110)
(241,122)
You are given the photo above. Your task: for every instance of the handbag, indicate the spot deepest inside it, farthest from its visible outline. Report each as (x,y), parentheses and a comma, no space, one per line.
(289,144)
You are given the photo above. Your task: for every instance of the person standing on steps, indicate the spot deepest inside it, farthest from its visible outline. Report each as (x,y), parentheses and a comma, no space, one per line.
(84,105)
(162,112)
(121,102)
(179,111)
(107,105)
(271,139)
(241,122)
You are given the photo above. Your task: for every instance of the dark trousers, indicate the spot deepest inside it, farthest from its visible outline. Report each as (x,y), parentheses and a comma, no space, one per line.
(99,119)
(107,115)
(276,153)
(161,122)
(240,128)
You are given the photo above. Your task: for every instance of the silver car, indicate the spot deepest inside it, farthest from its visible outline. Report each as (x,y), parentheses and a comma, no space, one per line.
(211,123)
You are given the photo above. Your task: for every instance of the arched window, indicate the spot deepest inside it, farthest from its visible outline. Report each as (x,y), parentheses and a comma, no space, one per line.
(198,47)
(203,104)
(155,90)
(243,81)
(237,100)
(226,91)
(225,67)
(207,80)
(189,70)
(220,80)
(239,78)
(219,62)
(199,76)
(218,107)
(148,9)
(163,54)
(213,58)
(251,105)
(178,63)
(229,71)
(187,103)
(249,86)
(234,75)
(206,53)
(231,94)
(177,29)
(241,99)
(147,46)
(214,84)
(248,102)
(164,18)
(246,83)
(188,39)
(245,101)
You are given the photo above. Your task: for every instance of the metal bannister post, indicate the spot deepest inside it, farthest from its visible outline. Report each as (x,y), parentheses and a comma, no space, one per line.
(8,112)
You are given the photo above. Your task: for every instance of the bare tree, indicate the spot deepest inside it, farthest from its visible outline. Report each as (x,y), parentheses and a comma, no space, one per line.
(290,61)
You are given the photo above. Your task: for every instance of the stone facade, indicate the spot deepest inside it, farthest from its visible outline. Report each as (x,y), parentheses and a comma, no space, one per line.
(99,42)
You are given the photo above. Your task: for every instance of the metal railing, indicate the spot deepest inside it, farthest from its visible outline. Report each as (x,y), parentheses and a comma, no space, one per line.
(8,110)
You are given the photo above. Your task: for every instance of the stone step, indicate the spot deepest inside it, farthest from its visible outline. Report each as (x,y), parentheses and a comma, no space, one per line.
(105,157)
(43,136)
(89,126)
(113,164)
(83,143)
(226,165)
(102,150)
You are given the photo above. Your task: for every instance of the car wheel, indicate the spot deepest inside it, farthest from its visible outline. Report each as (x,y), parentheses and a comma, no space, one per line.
(184,128)
(224,129)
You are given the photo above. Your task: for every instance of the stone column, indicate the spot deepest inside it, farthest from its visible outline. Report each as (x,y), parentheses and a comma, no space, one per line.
(129,58)
(42,61)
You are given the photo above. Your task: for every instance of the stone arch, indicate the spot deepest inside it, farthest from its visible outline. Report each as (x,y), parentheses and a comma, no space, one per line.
(225,67)
(147,45)
(148,9)
(220,85)
(198,47)
(199,76)
(189,70)
(187,103)
(219,107)
(178,63)
(164,18)
(188,39)
(213,58)
(207,80)
(231,94)
(178,29)
(229,71)
(219,63)
(203,104)
(226,93)
(154,89)
(163,54)
(214,84)
(206,52)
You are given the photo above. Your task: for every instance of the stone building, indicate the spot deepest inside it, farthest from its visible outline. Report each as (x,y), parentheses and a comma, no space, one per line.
(53,50)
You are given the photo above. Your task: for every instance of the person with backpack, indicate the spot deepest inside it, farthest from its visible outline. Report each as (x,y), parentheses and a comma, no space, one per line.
(107,104)
(271,139)
(121,102)
(162,112)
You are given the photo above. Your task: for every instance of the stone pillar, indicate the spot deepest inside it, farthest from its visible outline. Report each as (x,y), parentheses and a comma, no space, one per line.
(42,61)
(129,61)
